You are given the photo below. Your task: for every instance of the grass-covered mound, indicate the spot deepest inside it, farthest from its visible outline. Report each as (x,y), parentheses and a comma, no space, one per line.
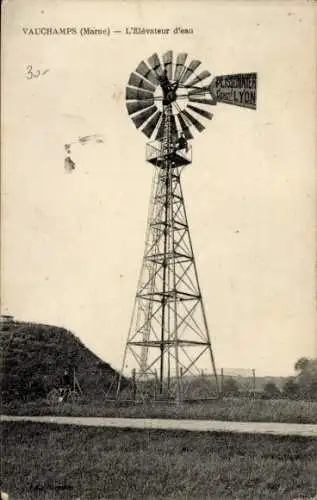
(34,357)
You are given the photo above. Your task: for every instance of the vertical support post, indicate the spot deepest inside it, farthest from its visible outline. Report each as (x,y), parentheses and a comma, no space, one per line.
(166,151)
(181,391)
(164,284)
(133,384)
(155,385)
(221,382)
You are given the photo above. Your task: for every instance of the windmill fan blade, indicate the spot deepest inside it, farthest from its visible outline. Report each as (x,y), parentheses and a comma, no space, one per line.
(201,112)
(180,61)
(168,60)
(191,68)
(197,90)
(137,81)
(201,100)
(185,129)
(135,106)
(139,119)
(155,63)
(147,73)
(151,124)
(138,94)
(193,120)
(199,78)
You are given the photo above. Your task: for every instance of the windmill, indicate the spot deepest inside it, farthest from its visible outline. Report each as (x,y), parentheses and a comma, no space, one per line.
(169,99)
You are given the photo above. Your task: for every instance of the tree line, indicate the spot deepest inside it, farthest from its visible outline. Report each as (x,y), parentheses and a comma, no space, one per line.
(303,385)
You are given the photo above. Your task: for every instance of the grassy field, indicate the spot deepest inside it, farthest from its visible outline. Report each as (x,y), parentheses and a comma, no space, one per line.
(227,409)
(50,462)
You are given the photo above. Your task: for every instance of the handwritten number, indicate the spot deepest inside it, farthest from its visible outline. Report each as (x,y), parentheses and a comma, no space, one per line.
(30,74)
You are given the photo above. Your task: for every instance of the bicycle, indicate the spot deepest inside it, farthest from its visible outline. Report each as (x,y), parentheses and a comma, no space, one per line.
(63,395)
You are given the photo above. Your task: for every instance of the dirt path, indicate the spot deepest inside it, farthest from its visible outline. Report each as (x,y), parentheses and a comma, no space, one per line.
(188,425)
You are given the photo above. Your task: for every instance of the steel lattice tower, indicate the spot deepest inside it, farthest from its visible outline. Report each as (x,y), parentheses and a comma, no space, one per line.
(168,336)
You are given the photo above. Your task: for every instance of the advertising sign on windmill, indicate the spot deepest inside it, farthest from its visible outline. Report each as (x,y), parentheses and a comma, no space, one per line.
(239,89)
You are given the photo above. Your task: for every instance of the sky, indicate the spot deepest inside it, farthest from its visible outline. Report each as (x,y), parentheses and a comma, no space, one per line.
(72,244)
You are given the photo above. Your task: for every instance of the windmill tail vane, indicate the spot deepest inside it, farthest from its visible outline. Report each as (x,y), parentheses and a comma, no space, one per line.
(168,99)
